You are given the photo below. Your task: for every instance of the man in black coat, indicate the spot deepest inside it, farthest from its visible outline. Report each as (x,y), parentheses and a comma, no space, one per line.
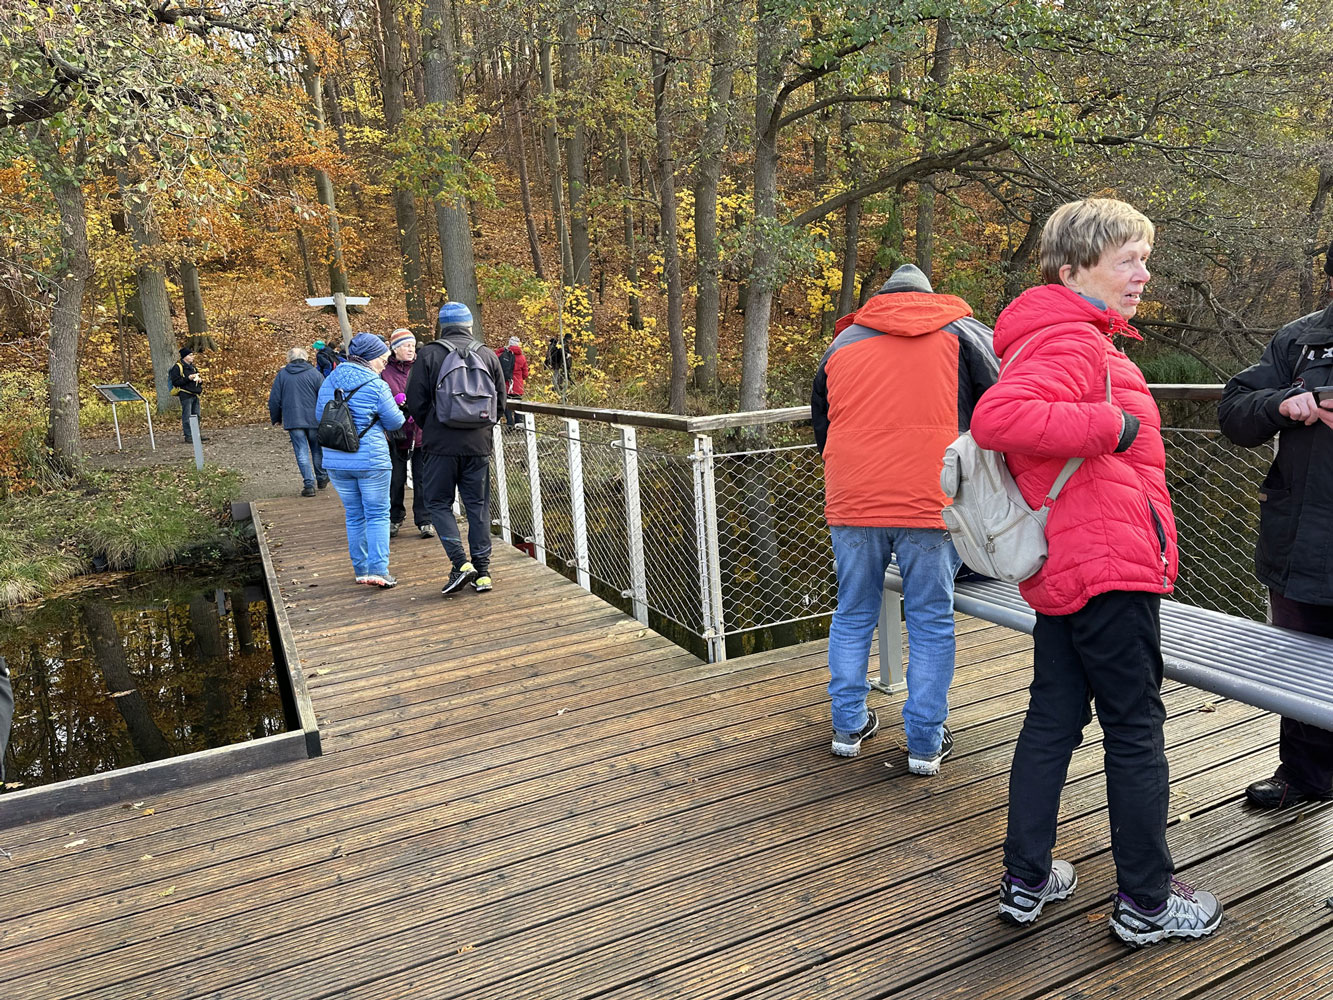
(291,402)
(187,385)
(1294,558)
(456,458)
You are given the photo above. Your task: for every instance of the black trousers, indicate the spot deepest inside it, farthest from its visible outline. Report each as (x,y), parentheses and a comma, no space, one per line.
(189,405)
(400,461)
(1107,653)
(1306,751)
(470,475)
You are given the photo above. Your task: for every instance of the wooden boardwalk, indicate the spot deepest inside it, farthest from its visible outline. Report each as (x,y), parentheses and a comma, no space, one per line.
(528,795)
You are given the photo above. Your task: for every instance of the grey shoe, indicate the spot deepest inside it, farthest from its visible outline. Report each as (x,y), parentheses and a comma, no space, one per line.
(928,766)
(1187,913)
(1020,903)
(393,528)
(426,530)
(382,580)
(849,744)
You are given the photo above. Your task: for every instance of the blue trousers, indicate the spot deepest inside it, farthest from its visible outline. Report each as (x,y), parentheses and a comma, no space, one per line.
(365,497)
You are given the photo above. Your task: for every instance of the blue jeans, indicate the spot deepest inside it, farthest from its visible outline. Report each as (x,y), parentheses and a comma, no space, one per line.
(365,497)
(309,455)
(928,563)
(189,405)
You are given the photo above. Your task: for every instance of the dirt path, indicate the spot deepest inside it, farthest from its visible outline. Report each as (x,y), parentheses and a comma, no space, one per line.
(262,454)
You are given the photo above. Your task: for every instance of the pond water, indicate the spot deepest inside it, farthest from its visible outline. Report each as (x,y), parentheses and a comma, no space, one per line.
(139,669)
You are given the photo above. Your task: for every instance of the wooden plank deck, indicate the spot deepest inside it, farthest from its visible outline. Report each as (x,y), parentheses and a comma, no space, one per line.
(528,795)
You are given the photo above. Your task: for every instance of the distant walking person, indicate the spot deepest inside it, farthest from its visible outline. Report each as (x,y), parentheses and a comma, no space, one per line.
(291,402)
(893,391)
(1112,555)
(405,446)
(515,367)
(187,385)
(361,477)
(1294,557)
(456,393)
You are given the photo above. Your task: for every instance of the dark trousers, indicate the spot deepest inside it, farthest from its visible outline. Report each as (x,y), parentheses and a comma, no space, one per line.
(1306,751)
(400,461)
(470,475)
(189,405)
(1107,653)
(511,415)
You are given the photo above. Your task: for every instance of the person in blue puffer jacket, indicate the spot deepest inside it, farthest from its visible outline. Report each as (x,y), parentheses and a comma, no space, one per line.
(361,477)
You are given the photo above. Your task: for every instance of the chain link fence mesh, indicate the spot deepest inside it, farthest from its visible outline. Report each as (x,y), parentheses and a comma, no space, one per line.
(775,558)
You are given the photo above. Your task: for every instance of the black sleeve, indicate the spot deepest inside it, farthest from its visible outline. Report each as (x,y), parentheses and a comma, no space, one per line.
(978,368)
(819,405)
(1248,413)
(498,374)
(420,385)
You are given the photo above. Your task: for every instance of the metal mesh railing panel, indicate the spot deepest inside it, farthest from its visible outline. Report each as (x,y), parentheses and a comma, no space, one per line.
(670,548)
(777,561)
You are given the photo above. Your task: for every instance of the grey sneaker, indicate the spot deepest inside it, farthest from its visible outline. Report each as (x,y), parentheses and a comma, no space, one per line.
(1020,903)
(382,580)
(928,766)
(1187,913)
(426,530)
(849,744)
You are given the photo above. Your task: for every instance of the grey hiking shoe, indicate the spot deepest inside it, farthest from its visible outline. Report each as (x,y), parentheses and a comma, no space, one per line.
(849,744)
(1020,903)
(1187,913)
(928,766)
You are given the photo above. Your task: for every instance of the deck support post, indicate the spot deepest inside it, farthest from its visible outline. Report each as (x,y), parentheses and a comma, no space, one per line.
(710,554)
(638,580)
(576,506)
(501,483)
(891,676)
(535,489)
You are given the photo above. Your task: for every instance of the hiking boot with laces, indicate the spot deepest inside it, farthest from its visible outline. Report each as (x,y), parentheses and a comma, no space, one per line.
(928,766)
(482,583)
(458,578)
(394,527)
(1187,913)
(849,744)
(1020,903)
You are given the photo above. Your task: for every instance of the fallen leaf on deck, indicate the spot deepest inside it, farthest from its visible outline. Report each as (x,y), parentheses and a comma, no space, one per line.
(148,812)
(167,892)
(76,843)
(146,857)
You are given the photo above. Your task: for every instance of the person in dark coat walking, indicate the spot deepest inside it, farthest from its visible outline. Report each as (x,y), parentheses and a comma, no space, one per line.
(291,402)
(187,385)
(1279,396)
(456,458)
(405,446)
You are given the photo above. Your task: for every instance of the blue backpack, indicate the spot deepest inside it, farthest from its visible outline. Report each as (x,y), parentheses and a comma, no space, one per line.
(465,395)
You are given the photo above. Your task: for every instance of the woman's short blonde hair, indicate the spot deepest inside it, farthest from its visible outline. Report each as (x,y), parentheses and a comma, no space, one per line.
(1078,232)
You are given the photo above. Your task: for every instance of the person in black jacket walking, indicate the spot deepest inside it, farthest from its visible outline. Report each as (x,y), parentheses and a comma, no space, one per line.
(456,458)
(1294,556)
(187,385)
(291,402)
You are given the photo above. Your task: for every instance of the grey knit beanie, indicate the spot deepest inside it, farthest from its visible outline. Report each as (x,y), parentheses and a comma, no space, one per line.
(908,278)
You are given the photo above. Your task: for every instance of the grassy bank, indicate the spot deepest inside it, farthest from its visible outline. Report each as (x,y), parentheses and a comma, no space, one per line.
(132,519)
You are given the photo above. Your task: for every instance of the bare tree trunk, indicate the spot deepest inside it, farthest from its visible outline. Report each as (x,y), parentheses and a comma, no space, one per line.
(627,220)
(764,265)
(552,146)
(940,66)
(680,368)
(151,282)
(851,236)
(707,303)
(576,161)
(62,431)
(404,203)
(1313,218)
(512,95)
(196,319)
(305,263)
(441,70)
(311,77)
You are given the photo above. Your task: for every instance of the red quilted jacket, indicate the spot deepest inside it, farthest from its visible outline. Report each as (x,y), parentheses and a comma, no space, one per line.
(1112,527)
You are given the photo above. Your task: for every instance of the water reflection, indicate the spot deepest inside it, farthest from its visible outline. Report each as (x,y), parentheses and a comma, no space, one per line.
(146,668)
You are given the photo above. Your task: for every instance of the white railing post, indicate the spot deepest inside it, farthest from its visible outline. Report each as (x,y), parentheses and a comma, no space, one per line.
(501,483)
(710,553)
(535,488)
(638,580)
(576,508)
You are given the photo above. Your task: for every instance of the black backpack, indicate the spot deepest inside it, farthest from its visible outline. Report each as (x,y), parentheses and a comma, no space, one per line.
(337,426)
(507,364)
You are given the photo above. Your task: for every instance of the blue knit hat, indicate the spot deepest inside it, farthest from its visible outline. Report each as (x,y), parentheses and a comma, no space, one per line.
(367,346)
(455,314)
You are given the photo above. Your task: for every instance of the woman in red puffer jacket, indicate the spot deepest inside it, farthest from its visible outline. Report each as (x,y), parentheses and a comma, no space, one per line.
(1112,541)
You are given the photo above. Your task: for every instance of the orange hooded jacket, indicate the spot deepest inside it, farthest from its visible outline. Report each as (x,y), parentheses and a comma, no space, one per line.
(894,389)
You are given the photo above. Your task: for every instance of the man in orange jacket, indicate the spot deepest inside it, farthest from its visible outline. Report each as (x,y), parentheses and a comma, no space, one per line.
(895,388)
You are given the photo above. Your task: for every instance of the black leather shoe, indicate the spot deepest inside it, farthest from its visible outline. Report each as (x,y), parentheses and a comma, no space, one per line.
(1274,793)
